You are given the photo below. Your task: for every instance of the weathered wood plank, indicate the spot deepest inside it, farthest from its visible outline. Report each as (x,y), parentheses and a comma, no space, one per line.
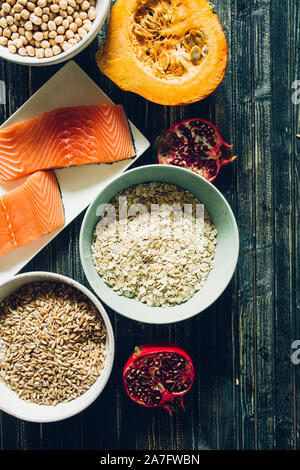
(226,307)
(283,228)
(262,117)
(295,75)
(244,138)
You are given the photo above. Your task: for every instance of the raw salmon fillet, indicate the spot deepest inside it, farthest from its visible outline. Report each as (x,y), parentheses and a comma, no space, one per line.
(64,137)
(29,211)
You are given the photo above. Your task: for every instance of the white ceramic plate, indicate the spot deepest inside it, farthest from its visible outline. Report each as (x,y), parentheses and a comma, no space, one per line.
(70,86)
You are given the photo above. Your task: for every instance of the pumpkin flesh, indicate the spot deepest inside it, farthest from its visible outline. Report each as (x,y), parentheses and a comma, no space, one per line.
(169,51)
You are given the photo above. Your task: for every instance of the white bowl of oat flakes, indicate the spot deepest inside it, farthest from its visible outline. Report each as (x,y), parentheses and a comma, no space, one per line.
(56,347)
(46,32)
(159,244)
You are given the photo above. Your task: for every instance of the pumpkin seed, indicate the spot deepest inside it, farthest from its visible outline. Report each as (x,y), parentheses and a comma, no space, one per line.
(140,54)
(160,70)
(198,37)
(204,50)
(196,54)
(164,61)
(189,41)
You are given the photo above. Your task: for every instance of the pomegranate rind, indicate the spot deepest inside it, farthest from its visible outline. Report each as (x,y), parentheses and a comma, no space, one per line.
(157,348)
(219,157)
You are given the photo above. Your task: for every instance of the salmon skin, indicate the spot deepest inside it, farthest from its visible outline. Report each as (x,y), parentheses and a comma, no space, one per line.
(29,211)
(64,137)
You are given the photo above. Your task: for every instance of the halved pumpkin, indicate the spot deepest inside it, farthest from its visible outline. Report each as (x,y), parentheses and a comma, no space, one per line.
(168,51)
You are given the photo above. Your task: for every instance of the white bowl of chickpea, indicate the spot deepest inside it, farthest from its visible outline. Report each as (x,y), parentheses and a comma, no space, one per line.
(46,32)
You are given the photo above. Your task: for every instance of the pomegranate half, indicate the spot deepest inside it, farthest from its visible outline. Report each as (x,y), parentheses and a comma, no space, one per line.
(157,374)
(197,145)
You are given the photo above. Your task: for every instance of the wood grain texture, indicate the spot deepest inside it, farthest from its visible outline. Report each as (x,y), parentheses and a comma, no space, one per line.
(246,393)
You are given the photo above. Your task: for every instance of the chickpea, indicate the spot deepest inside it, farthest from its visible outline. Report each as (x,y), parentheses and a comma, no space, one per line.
(54,8)
(45,18)
(78,22)
(83,15)
(18,43)
(59,39)
(73,27)
(72,41)
(30,6)
(6,7)
(22,51)
(40,53)
(42,3)
(65,24)
(69,34)
(82,32)
(30,51)
(38,11)
(24,40)
(60,30)
(58,20)
(12,48)
(52,34)
(3,41)
(35,19)
(18,8)
(10,20)
(92,13)
(7,32)
(48,52)
(3,23)
(25,14)
(28,26)
(38,36)
(14,36)
(66,46)
(56,50)
(14,28)
(85,5)
(51,25)
(63,4)
(45,44)
(28,35)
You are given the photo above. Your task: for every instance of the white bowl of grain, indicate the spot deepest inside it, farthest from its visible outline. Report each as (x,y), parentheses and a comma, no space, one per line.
(139,270)
(47,32)
(56,347)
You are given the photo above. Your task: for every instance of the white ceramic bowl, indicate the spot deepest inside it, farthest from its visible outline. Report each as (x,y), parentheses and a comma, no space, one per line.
(226,254)
(12,404)
(102,9)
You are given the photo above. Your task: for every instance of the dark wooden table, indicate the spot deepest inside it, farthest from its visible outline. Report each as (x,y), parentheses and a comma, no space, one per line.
(247,391)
